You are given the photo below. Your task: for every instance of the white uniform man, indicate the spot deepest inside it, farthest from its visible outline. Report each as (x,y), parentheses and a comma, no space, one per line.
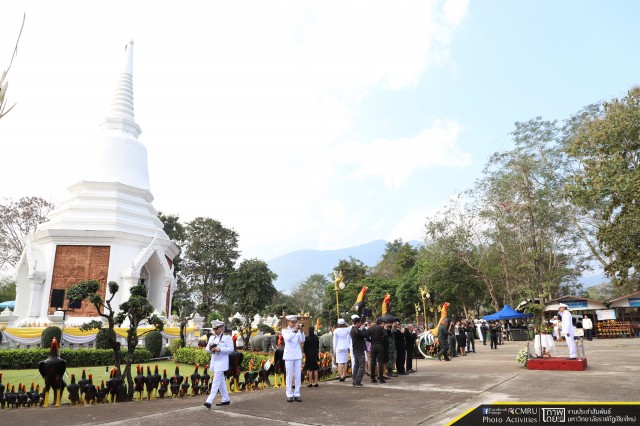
(293,336)
(567,329)
(219,346)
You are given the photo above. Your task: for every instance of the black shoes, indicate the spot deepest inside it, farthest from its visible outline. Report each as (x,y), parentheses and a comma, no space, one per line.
(315,386)
(206,404)
(358,385)
(374,381)
(220,404)
(298,399)
(289,399)
(310,385)
(341,379)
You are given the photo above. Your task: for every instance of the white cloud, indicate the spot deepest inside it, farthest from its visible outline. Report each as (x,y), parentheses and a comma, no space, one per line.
(395,160)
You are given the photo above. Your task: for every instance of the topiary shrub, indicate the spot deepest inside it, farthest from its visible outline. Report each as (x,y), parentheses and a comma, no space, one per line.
(153,343)
(30,358)
(48,334)
(102,339)
(174,345)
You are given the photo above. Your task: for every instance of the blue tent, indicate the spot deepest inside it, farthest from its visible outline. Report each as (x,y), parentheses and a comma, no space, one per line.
(506,313)
(10,305)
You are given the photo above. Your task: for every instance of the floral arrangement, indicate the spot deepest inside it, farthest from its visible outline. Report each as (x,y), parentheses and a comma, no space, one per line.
(522,356)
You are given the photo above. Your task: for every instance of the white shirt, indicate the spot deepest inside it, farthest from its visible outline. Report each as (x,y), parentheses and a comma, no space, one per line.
(292,349)
(587,324)
(567,323)
(220,360)
(341,339)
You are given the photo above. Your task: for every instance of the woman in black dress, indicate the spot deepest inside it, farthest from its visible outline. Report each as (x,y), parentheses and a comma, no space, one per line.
(462,338)
(311,348)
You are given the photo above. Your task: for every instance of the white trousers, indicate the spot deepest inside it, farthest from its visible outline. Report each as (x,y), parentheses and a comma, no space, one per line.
(218,384)
(572,346)
(293,373)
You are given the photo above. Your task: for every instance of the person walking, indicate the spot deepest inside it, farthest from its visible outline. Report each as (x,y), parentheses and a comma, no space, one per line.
(358,335)
(219,346)
(494,330)
(293,338)
(341,346)
(410,338)
(587,325)
(568,330)
(443,340)
(471,337)
(484,331)
(311,348)
(461,337)
(376,335)
(452,340)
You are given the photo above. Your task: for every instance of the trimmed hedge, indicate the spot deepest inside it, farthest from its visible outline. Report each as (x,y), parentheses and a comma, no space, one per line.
(153,343)
(30,358)
(48,334)
(199,356)
(102,339)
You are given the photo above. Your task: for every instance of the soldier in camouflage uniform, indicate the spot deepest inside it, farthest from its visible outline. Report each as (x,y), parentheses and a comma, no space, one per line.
(391,361)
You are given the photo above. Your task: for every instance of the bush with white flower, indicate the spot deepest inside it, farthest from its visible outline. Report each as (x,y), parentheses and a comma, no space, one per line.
(522,356)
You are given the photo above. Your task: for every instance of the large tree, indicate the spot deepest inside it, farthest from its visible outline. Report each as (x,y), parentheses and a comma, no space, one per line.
(307,296)
(18,219)
(211,251)
(7,289)
(398,258)
(606,146)
(251,289)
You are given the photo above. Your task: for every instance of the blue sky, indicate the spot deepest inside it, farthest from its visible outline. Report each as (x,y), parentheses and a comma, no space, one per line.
(304,125)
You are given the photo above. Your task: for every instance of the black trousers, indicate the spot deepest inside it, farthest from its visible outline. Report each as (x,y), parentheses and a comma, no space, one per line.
(444,349)
(494,342)
(400,359)
(409,354)
(588,333)
(377,357)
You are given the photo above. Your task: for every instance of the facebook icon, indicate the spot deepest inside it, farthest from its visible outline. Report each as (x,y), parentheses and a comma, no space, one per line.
(485,410)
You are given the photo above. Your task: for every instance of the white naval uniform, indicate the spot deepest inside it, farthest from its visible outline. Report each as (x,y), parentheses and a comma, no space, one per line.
(219,364)
(292,357)
(342,344)
(568,332)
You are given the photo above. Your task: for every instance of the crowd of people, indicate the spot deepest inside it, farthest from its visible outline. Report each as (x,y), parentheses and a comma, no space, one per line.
(378,349)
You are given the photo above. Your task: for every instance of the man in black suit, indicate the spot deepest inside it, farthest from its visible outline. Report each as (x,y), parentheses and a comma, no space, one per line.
(401,352)
(358,336)
(443,339)
(377,336)
(410,338)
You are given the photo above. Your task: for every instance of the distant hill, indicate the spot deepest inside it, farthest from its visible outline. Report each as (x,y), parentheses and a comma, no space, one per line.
(294,267)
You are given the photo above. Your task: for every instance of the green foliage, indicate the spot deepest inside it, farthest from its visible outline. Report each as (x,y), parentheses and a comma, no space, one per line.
(191,356)
(353,270)
(605,144)
(266,329)
(211,251)
(153,343)
(397,260)
(29,358)
(7,289)
(251,288)
(48,334)
(175,344)
(307,296)
(102,339)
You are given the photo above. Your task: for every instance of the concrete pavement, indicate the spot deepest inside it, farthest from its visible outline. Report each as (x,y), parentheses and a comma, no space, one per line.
(435,395)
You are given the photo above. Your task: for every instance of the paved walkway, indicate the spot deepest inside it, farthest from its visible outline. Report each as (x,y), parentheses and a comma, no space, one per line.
(436,394)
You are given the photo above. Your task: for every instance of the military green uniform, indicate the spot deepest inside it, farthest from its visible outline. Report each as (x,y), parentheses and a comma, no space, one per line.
(391,361)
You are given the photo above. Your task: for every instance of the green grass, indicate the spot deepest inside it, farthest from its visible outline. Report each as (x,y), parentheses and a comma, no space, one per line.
(26,377)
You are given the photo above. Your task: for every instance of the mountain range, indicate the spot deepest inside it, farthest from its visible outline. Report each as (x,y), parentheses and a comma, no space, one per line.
(294,267)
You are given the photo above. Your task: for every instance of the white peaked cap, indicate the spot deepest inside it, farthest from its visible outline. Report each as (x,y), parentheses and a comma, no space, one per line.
(216,323)
(355,317)
(292,318)
(341,321)
(563,305)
